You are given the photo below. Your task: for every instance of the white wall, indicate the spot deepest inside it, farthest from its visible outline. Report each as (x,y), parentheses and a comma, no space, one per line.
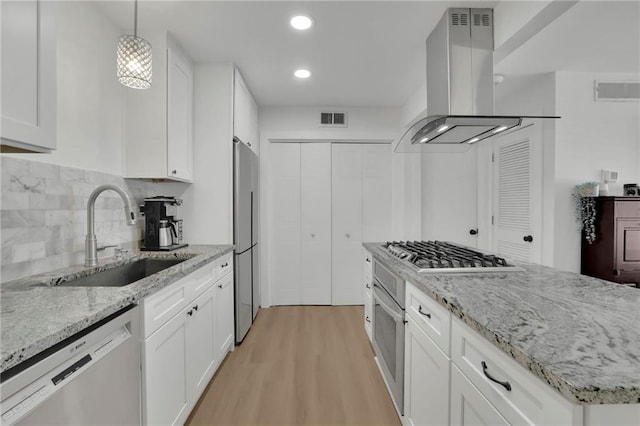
(209,216)
(591,136)
(89,100)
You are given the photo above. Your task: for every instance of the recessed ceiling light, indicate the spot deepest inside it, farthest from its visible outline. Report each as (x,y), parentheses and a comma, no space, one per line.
(302,73)
(301,22)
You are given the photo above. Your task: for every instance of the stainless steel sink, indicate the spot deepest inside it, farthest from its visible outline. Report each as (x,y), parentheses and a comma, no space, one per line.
(123,275)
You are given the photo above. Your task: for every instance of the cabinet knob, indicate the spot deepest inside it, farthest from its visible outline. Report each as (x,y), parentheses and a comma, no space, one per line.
(473,231)
(367,286)
(528,238)
(367,319)
(368,260)
(174,171)
(219,285)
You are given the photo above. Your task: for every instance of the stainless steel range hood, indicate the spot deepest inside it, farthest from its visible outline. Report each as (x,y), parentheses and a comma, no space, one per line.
(459,87)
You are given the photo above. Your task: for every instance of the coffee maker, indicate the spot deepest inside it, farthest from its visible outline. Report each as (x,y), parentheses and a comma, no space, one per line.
(162,224)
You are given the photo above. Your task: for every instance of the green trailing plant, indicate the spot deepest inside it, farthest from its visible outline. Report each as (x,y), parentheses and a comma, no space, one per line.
(584,197)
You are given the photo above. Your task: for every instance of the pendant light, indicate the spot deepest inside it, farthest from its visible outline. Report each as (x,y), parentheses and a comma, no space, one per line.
(134,58)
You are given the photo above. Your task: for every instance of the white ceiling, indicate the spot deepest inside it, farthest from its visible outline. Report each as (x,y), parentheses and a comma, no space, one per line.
(368,53)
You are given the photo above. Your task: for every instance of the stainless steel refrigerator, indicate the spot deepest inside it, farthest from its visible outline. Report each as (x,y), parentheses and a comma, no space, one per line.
(245,236)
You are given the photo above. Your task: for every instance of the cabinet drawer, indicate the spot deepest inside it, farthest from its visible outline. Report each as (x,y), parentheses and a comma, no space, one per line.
(432,318)
(223,266)
(529,400)
(160,307)
(163,305)
(630,209)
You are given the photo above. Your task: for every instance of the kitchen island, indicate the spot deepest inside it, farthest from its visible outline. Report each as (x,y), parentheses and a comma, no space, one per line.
(36,313)
(577,334)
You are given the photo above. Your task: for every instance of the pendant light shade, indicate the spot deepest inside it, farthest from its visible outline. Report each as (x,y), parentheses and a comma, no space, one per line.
(134,58)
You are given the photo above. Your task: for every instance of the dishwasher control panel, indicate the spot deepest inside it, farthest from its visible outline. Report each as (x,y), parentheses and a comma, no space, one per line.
(81,358)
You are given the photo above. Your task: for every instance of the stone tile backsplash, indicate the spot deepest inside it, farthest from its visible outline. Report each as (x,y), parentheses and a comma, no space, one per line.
(44,215)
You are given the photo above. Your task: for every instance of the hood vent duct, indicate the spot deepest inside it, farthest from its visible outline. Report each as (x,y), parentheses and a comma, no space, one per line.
(459,87)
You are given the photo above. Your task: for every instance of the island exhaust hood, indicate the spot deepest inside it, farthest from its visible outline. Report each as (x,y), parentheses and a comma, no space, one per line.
(459,87)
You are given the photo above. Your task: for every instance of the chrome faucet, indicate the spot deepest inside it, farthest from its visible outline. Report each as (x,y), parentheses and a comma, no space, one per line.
(90,243)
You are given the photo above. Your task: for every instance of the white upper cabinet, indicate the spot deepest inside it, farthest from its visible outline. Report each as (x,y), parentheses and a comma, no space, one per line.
(245,113)
(158,128)
(28,76)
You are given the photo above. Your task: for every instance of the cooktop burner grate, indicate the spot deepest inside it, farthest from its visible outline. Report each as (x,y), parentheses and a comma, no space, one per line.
(432,256)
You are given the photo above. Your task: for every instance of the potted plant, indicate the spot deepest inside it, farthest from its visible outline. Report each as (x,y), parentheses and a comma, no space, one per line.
(584,196)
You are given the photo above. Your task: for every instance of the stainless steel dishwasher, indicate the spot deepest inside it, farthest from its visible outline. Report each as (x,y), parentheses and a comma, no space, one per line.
(91,378)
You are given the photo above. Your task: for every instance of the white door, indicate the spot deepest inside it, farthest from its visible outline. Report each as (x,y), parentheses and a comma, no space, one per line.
(426,400)
(517,195)
(346,206)
(285,221)
(164,373)
(315,245)
(468,406)
(201,349)
(376,192)
(179,116)
(224,326)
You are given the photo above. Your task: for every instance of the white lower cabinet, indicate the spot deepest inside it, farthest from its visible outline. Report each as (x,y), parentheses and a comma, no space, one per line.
(165,395)
(426,400)
(224,331)
(468,406)
(181,355)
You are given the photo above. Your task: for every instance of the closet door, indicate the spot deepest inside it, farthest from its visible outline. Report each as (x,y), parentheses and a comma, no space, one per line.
(315,243)
(376,192)
(284,196)
(346,206)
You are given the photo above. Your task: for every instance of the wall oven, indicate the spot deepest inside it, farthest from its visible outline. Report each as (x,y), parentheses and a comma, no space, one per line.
(388,330)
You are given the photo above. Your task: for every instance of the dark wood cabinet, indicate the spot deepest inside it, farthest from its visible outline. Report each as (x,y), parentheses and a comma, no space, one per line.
(615,254)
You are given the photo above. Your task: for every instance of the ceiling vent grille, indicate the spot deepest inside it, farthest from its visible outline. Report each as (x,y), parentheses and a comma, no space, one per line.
(617,90)
(333,119)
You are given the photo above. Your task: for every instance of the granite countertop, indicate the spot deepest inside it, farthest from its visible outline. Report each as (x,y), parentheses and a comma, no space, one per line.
(579,334)
(36,314)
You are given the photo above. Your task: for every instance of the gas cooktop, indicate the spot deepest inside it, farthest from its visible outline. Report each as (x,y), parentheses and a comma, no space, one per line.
(440,256)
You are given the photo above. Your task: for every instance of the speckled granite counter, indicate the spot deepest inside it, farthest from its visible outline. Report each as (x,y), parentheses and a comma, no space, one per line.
(578,334)
(35,314)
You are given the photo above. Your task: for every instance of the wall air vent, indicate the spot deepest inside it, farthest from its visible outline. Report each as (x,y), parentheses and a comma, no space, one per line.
(481,19)
(617,90)
(459,19)
(333,119)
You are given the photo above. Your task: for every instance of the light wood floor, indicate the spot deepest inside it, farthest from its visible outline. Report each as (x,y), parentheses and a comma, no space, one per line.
(299,365)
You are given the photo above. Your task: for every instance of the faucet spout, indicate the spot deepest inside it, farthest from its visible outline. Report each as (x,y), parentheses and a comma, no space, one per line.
(90,245)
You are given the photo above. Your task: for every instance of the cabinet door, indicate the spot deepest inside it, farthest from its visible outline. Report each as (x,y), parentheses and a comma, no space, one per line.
(284,253)
(315,244)
(426,400)
(165,392)
(346,206)
(628,245)
(179,116)
(201,349)
(224,333)
(468,406)
(254,137)
(28,75)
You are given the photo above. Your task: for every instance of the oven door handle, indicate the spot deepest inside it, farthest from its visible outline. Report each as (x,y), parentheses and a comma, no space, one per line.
(397,317)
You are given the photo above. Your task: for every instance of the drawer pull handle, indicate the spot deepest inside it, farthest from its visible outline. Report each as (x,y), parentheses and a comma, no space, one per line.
(368,260)
(225,265)
(367,286)
(189,313)
(506,385)
(219,285)
(195,308)
(367,319)
(420,311)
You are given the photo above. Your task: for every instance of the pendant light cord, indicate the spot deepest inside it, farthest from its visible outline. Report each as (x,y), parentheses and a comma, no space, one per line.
(135,18)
